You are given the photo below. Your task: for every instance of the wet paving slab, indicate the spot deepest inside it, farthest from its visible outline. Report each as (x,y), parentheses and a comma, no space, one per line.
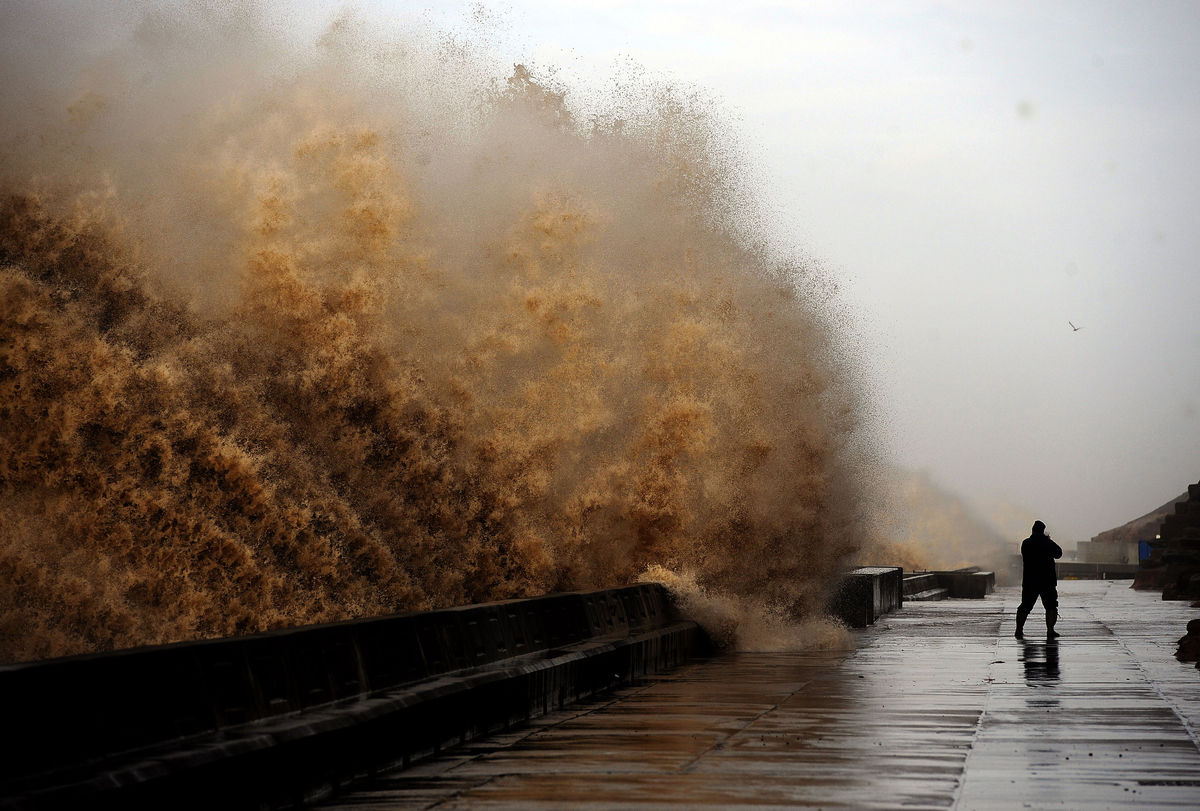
(938,706)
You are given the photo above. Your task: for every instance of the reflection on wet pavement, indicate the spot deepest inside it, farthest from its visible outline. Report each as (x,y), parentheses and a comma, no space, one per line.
(938,707)
(1041,662)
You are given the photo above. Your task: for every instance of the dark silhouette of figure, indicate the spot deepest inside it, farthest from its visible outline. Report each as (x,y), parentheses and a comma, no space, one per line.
(1038,578)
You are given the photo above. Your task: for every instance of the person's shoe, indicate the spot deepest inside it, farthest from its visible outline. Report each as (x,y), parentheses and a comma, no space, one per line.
(1019,634)
(1052,634)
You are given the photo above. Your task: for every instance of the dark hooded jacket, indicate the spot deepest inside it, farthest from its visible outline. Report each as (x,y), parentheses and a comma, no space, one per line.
(1038,553)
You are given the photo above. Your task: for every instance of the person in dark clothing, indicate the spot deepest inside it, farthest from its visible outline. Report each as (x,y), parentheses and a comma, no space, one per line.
(1038,578)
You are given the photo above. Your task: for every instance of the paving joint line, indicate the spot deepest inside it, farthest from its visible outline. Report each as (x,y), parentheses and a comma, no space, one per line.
(570,713)
(961,782)
(719,744)
(1187,727)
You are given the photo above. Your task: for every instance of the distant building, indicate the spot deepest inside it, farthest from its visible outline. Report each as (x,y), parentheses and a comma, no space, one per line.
(1128,543)
(1109,551)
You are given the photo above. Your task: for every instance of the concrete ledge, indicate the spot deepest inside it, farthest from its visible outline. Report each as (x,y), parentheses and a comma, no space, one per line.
(868,593)
(928,595)
(269,719)
(1150,578)
(915,583)
(965,583)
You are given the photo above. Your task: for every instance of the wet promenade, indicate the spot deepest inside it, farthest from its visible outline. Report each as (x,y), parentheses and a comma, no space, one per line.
(938,707)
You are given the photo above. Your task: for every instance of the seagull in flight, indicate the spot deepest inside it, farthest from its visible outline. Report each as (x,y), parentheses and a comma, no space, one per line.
(1074,328)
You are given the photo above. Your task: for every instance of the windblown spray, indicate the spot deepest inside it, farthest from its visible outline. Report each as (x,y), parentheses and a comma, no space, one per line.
(294,333)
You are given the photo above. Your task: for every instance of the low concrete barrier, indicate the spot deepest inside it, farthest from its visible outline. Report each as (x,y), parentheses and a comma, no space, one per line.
(915,583)
(267,719)
(868,593)
(923,587)
(968,582)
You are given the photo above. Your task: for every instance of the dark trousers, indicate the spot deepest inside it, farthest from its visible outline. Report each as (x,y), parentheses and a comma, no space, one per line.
(1029,596)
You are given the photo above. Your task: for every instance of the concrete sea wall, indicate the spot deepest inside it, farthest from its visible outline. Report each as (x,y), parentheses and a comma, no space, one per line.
(272,718)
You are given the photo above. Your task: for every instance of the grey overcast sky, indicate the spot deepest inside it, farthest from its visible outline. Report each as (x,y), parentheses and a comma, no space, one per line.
(975,175)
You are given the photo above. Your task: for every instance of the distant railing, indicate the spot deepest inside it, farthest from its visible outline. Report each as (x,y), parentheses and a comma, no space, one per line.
(1071,570)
